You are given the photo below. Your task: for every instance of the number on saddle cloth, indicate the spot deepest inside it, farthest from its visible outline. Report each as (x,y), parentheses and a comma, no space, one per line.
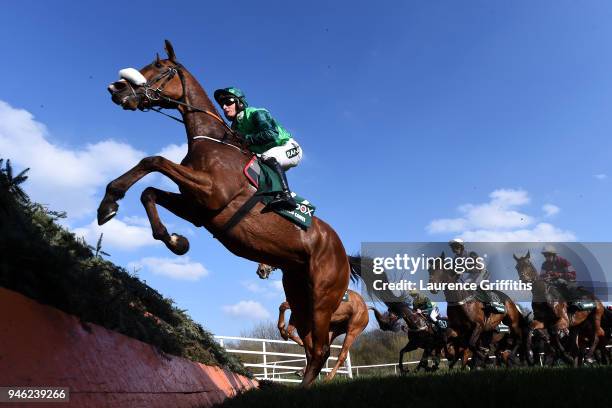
(268,184)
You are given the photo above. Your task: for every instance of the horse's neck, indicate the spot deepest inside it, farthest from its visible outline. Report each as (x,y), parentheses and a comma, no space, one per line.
(456,295)
(538,287)
(199,123)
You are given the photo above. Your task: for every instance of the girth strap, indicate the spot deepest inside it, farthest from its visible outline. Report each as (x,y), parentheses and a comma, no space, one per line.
(242,211)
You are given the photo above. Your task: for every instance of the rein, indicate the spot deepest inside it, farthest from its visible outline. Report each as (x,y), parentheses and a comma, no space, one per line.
(155,94)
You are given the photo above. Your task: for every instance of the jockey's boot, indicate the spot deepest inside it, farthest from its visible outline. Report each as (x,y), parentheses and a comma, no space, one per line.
(283,200)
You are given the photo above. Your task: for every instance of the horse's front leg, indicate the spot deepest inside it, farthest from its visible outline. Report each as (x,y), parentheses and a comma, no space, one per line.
(176,204)
(196,181)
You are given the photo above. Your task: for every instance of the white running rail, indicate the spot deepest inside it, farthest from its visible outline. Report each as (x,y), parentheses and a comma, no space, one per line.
(275,365)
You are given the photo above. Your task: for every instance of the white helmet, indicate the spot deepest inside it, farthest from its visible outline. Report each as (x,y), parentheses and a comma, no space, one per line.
(549,249)
(456,242)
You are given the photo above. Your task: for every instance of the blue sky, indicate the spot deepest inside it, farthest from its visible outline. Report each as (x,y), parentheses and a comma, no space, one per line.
(420,121)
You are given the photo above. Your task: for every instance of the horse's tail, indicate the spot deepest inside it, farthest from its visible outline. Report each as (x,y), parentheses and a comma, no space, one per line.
(358,264)
(355,265)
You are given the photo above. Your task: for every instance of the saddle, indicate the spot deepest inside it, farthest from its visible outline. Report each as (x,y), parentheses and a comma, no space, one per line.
(268,184)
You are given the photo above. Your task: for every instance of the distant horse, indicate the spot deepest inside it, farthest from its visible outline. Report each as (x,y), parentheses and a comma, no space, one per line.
(551,317)
(468,317)
(350,319)
(423,336)
(418,327)
(212,190)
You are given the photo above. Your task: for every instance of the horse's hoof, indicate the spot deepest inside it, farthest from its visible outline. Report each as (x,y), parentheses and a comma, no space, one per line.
(178,244)
(106,212)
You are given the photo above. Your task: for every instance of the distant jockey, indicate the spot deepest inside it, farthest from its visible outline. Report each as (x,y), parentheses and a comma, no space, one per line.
(473,275)
(265,137)
(559,272)
(422,304)
(556,267)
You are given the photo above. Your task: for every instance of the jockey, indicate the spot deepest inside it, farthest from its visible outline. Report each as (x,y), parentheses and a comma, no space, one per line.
(474,275)
(265,137)
(422,304)
(556,267)
(558,271)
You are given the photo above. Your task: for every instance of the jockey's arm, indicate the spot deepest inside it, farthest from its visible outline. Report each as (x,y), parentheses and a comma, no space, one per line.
(266,129)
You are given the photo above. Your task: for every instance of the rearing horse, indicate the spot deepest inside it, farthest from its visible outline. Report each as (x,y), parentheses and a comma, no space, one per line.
(213,188)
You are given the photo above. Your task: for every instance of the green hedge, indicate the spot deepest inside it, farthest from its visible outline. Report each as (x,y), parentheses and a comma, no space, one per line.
(44,261)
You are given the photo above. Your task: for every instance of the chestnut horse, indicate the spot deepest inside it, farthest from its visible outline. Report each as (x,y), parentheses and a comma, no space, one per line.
(213,188)
(552,317)
(351,318)
(466,314)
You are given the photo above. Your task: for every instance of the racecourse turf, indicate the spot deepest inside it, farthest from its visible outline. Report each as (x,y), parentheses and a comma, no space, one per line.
(499,388)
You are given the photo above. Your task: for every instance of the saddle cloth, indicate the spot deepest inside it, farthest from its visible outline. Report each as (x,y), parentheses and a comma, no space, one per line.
(492,299)
(267,182)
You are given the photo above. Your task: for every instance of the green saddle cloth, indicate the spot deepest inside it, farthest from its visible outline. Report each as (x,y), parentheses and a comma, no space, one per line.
(492,299)
(584,305)
(270,184)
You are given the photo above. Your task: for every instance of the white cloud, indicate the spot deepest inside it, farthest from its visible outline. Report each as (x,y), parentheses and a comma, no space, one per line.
(176,268)
(174,152)
(137,220)
(600,176)
(119,234)
(542,232)
(500,219)
(499,212)
(253,286)
(277,285)
(248,309)
(65,179)
(269,288)
(550,209)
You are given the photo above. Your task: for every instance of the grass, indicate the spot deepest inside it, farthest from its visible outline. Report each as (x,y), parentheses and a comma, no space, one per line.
(499,388)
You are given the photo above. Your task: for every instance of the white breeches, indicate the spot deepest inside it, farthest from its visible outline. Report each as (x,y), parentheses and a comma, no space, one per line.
(288,155)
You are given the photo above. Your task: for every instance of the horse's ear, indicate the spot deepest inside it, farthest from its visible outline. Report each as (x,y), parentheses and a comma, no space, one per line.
(157,60)
(443,255)
(528,254)
(170,51)
(516,258)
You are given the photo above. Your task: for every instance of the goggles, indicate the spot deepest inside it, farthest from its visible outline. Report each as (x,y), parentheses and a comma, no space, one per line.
(228,101)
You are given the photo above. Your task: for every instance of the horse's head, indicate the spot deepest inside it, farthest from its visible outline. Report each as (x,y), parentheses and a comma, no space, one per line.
(158,84)
(526,271)
(439,271)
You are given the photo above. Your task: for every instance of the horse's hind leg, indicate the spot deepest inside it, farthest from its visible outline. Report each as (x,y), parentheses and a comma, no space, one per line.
(346,345)
(410,346)
(596,333)
(175,203)
(187,178)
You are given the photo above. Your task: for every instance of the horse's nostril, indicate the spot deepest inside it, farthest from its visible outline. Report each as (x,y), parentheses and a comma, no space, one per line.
(117,86)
